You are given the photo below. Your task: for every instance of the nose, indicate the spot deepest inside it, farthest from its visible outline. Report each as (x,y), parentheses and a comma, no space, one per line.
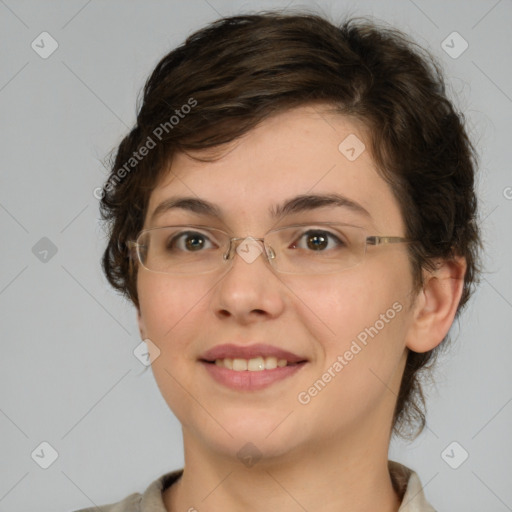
(249,291)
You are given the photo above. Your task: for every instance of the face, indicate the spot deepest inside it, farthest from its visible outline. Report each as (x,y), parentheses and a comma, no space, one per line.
(350,327)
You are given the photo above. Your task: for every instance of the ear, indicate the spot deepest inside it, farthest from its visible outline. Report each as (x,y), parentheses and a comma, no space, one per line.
(436,304)
(142,328)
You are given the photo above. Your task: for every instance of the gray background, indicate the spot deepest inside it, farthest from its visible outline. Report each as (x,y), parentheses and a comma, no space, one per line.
(68,373)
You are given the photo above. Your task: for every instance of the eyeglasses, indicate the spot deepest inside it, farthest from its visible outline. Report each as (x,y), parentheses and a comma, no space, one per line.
(320,248)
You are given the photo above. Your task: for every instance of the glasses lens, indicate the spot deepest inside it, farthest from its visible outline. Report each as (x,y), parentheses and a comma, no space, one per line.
(181,249)
(316,249)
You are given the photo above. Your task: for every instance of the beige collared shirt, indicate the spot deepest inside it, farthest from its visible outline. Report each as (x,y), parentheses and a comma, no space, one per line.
(406,482)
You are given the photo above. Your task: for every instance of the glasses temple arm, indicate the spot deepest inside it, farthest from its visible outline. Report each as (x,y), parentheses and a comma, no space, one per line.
(378,240)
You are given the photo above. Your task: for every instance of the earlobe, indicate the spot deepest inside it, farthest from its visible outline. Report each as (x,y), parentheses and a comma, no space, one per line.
(436,305)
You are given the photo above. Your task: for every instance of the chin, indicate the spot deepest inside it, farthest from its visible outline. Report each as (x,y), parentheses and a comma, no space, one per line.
(252,435)
(250,451)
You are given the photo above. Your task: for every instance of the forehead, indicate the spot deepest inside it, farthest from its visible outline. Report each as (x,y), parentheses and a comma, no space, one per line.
(304,151)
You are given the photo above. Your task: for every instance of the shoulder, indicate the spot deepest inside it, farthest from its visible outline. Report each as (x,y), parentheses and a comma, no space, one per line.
(130,503)
(150,500)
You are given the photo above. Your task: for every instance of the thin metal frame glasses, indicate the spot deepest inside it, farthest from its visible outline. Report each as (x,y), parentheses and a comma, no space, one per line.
(306,248)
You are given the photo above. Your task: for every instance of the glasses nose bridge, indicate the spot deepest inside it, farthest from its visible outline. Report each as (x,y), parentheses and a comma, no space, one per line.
(235,242)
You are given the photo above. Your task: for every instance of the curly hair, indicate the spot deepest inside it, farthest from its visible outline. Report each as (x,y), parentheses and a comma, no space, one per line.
(237,71)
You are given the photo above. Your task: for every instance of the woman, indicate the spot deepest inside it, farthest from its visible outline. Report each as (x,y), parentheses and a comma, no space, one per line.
(293,218)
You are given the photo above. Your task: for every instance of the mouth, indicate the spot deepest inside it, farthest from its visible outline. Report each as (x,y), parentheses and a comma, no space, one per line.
(250,367)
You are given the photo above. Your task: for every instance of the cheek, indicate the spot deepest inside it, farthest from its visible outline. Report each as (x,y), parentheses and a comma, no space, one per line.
(360,316)
(170,307)
(360,341)
(339,309)
(171,311)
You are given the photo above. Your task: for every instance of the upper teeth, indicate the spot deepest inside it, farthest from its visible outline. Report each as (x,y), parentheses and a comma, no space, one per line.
(255,364)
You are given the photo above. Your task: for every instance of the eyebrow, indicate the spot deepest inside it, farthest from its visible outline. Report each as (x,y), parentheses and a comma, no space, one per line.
(309,202)
(301,203)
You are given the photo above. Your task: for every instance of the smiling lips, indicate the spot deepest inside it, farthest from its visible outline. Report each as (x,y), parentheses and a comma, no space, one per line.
(250,368)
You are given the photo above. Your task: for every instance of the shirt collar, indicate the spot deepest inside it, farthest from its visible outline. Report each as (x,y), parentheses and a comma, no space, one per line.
(408,485)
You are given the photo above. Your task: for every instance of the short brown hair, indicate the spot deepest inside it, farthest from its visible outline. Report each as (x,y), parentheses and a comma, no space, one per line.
(240,70)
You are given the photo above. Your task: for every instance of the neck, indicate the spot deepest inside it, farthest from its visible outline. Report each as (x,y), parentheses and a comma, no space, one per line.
(350,475)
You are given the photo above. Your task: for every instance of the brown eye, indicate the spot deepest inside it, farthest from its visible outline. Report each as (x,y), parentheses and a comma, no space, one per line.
(194,242)
(189,241)
(318,240)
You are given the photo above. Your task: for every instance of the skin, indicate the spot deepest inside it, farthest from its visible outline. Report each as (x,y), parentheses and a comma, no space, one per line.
(331,453)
